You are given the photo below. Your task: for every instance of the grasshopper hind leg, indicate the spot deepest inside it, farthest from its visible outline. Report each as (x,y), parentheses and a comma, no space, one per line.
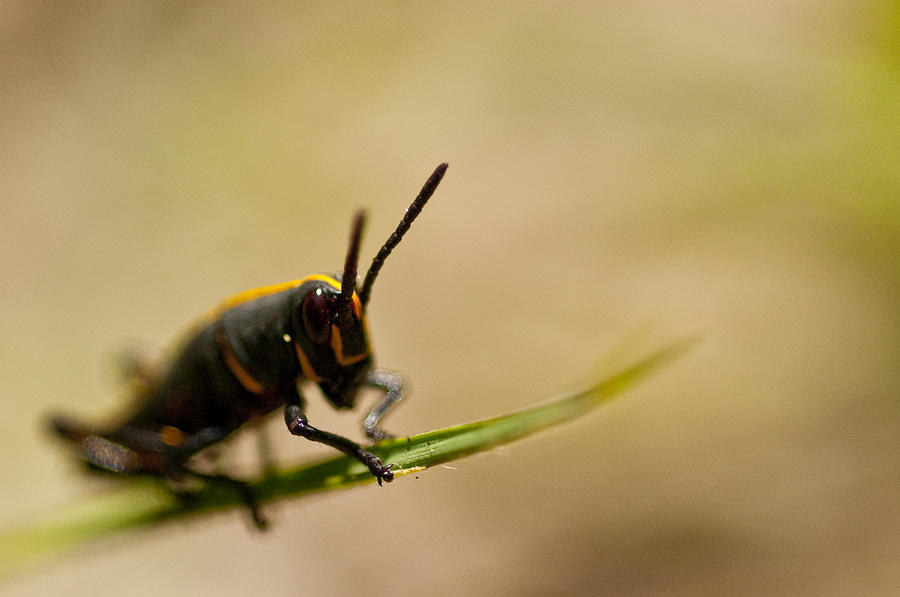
(97,451)
(100,452)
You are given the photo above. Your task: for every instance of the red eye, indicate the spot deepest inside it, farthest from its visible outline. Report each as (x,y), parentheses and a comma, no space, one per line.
(317,316)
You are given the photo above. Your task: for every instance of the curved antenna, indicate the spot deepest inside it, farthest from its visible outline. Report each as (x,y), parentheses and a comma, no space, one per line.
(411,213)
(348,280)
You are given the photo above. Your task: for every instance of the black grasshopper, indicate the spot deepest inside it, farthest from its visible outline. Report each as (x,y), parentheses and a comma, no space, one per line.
(246,360)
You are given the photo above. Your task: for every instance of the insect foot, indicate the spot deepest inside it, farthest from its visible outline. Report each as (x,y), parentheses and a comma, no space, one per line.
(379,470)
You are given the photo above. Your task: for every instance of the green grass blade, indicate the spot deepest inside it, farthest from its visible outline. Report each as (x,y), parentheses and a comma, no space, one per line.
(143,502)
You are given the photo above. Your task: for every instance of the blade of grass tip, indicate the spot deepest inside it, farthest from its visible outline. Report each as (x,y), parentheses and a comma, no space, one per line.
(436,447)
(417,452)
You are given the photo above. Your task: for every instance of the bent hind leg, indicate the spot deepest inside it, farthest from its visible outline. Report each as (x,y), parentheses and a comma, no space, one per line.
(135,451)
(96,449)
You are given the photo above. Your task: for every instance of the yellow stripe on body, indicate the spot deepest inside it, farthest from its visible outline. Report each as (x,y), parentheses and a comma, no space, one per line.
(247,381)
(236,300)
(305,365)
(250,383)
(246,296)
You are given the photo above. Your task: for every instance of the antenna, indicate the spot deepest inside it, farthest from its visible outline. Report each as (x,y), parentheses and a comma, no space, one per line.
(411,214)
(348,280)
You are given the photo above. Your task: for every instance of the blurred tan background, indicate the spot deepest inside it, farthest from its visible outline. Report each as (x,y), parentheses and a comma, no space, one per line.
(622,174)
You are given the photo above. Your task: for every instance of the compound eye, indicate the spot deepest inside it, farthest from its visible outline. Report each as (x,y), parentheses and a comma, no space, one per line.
(317,316)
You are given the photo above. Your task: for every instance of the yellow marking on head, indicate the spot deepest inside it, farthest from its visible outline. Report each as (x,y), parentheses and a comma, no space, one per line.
(171,436)
(357,305)
(338,347)
(336,343)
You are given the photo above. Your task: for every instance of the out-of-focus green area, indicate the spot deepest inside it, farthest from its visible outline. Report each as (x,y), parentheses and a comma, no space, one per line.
(618,171)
